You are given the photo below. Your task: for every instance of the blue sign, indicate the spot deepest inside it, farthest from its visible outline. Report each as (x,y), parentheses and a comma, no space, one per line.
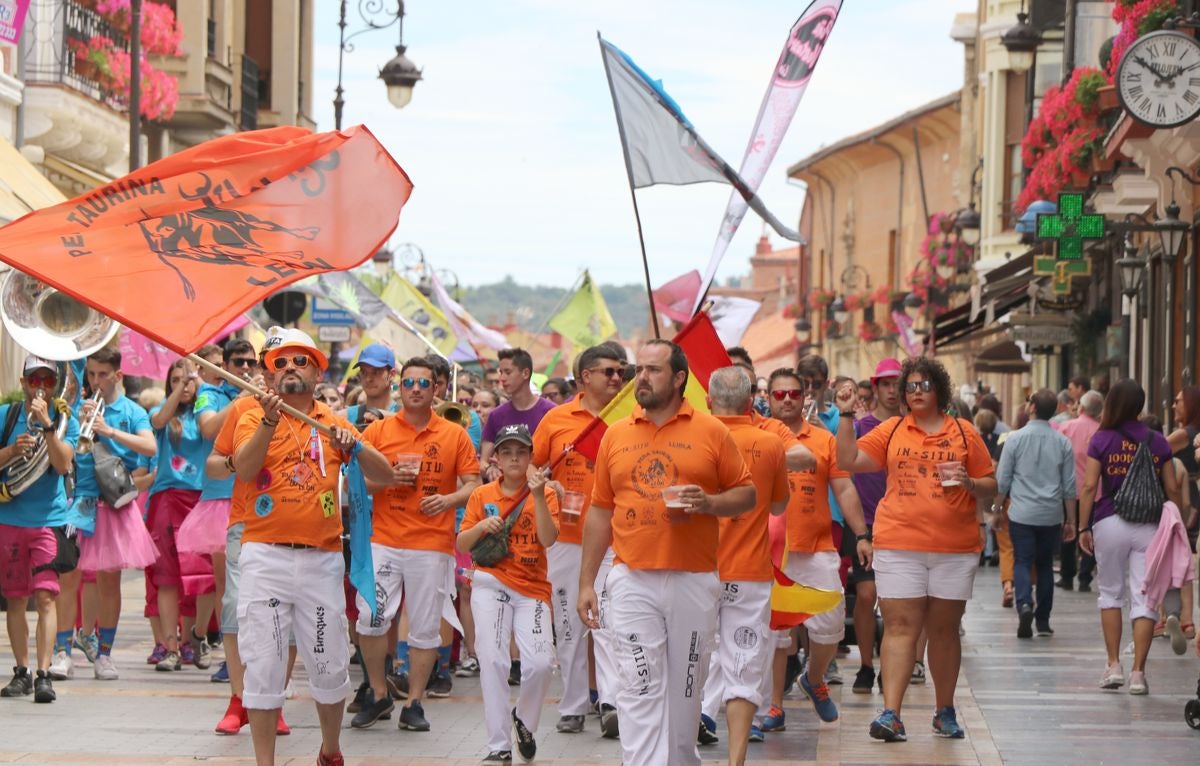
(324,312)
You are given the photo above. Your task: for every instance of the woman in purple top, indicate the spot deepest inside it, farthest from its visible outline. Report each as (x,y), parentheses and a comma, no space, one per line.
(1119,546)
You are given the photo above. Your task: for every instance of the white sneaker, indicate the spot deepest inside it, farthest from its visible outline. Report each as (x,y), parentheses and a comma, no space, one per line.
(62,668)
(104,669)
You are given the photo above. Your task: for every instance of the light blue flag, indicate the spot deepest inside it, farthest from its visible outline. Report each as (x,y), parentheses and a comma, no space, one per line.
(362,567)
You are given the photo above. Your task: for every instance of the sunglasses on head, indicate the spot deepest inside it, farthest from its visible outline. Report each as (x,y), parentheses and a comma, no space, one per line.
(300,361)
(608,372)
(424,383)
(783,393)
(925,386)
(244,362)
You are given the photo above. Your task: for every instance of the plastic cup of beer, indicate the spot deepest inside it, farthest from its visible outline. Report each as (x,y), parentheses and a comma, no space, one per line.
(948,472)
(673,498)
(572,508)
(410,464)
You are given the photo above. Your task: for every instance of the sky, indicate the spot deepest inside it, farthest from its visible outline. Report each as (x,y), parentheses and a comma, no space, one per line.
(512,146)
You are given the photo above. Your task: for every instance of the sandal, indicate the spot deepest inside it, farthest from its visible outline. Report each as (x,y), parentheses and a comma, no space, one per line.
(1189,630)
(1160,629)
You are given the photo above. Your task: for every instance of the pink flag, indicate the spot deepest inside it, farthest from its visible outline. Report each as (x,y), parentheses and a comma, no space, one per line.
(12,18)
(142,356)
(675,299)
(908,338)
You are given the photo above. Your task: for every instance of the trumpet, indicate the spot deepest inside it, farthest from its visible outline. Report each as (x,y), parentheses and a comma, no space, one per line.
(87,429)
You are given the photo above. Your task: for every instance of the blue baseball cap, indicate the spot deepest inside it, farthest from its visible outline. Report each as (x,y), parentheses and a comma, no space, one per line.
(377,355)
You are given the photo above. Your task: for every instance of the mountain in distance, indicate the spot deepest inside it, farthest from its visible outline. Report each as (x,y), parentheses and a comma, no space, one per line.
(530,307)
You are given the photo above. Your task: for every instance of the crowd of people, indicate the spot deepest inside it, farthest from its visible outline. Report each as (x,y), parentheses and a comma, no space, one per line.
(501,550)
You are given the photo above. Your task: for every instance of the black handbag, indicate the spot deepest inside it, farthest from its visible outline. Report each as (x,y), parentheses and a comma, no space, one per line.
(1140,498)
(490,550)
(116,485)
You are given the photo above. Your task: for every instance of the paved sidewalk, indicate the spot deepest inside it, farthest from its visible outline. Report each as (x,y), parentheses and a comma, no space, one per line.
(1022,702)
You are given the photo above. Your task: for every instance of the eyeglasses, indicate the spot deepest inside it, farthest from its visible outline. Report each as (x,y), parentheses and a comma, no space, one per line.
(784,393)
(43,381)
(608,372)
(812,384)
(244,362)
(300,361)
(423,383)
(925,386)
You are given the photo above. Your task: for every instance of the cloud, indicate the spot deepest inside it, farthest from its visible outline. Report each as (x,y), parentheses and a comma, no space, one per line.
(512,145)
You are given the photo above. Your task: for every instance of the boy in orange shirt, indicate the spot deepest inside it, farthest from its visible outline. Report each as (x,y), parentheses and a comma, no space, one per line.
(512,598)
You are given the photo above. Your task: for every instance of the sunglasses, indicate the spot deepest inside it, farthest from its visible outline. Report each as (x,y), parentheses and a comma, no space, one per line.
(795,394)
(608,372)
(300,361)
(814,385)
(43,381)
(924,386)
(244,362)
(423,383)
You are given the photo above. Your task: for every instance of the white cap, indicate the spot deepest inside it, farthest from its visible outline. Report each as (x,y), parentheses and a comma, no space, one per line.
(289,337)
(33,362)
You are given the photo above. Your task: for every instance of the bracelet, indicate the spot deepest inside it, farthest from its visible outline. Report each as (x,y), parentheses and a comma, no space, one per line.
(229,464)
(845,414)
(268,423)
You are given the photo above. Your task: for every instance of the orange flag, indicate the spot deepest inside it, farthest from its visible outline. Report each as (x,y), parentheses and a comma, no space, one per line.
(179,248)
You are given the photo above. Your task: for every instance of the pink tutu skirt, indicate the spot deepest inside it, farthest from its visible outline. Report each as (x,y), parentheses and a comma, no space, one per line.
(120,541)
(203,531)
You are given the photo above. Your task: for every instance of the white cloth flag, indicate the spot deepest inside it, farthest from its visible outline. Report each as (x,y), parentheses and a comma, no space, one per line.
(470,331)
(789,80)
(731,316)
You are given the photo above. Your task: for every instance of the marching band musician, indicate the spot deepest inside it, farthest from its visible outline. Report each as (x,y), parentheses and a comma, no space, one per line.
(27,536)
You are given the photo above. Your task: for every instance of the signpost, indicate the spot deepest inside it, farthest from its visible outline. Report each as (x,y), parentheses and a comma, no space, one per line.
(1069,228)
(325,313)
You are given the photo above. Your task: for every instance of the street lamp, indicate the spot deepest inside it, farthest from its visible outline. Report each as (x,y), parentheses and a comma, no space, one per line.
(913,304)
(1021,41)
(838,308)
(399,74)
(803,329)
(1132,268)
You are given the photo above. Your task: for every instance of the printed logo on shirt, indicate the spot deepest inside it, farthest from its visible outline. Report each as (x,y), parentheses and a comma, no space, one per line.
(263,480)
(328,505)
(490,509)
(653,472)
(201,402)
(263,505)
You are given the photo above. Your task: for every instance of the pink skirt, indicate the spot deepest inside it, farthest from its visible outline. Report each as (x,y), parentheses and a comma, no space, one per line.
(121,540)
(203,531)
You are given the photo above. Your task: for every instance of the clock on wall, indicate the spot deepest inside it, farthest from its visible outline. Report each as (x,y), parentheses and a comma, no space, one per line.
(1158,79)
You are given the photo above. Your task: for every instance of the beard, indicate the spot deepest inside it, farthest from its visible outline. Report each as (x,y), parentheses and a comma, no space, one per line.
(295,385)
(650,399)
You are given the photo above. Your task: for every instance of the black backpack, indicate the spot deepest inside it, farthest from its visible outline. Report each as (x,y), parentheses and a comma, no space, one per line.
(1140,498)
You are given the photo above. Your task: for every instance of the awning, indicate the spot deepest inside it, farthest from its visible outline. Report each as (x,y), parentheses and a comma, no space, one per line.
(1001,356)
(23,188)
(1005,287)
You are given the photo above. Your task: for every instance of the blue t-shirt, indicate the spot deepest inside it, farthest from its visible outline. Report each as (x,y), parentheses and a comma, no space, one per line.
(125,415)
(829,418)
(214,399)
(43,503)
(180,466)
(475,430)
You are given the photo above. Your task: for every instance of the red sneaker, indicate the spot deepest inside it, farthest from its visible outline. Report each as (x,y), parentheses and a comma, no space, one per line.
(281,727)
(330,760)
(235,717)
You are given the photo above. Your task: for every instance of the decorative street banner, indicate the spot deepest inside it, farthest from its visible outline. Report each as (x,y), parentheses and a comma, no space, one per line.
(12,18)
(585,320)
(179,248)
(789,81)
(906,336)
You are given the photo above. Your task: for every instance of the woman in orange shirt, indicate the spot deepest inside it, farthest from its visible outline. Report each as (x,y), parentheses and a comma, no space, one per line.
(928,534)
(512,598)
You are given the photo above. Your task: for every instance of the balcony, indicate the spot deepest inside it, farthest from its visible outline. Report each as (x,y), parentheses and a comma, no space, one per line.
(205,93)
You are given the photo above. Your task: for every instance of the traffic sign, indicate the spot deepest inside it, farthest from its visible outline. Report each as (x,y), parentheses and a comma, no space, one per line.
(333,333)
(325,313)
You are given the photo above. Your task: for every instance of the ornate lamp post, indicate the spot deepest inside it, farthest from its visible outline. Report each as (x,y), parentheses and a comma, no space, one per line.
(399,74)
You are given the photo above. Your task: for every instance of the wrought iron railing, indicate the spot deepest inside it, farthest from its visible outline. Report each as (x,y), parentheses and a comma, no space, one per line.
(58,30)
(248,118)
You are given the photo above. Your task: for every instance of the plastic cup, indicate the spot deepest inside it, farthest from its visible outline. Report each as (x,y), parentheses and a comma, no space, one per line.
(410,463)
(673,496)
(572,508)
(949,468)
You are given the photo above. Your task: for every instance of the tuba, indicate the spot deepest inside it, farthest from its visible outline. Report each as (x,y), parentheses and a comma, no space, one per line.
(454,412)
(53,325)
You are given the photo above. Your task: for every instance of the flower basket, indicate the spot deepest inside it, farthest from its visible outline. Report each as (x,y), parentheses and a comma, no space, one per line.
(1107,98)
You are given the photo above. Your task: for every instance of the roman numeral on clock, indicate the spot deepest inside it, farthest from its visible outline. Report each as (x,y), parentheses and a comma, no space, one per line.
(1190,97)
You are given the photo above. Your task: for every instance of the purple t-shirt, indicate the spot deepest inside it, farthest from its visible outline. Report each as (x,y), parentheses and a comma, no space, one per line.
(871,486)
(1115,453)
(507,415)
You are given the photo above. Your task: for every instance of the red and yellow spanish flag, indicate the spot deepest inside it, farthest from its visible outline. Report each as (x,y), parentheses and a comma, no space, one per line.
(706,354)
(791,602)
(180,247)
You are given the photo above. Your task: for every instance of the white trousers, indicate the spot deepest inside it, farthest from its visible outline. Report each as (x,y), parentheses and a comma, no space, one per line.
(1121,565)
(571,634)
(288,592)
(604,647)
(820,570)
(499,613)
(662,623)
(745,644)
(422,578)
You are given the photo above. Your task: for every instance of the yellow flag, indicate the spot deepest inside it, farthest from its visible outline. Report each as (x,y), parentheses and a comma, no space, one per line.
(585,320)
(400,294)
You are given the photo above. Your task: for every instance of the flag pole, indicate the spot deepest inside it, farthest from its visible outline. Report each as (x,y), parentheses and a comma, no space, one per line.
(629,175)
(562,301)
(246,385)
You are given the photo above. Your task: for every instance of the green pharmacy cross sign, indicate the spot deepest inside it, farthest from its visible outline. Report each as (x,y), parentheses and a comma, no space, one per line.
(1069,227)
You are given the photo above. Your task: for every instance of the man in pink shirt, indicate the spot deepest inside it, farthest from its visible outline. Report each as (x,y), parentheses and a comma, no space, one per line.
(1079,432)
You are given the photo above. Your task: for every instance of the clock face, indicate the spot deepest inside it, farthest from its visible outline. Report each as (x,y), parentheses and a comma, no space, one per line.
(1158,80)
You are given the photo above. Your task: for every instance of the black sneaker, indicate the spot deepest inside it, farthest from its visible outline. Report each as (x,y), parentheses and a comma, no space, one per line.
(412,717)
(1066,585)
(497,758)
(20,685)
(43,690)
(864,680)
(793,669)
(361,697)
(707,735)
(1085,587)
(514,673)
(1044,629)
(526,744)
(440,686)
(372,710)
(397,684)
(1025,626)
(609,726)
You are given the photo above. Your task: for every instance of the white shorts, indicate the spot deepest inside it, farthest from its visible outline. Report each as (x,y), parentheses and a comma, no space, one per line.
(820,570)
(1121,565)
(745,641)
(424,578)
(917,574)
(283,592)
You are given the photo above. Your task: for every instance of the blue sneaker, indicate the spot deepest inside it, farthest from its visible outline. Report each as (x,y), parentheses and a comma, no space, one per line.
(774,720)
(756,734)
(888,727)
(221,676)
(819,694)
(946,725)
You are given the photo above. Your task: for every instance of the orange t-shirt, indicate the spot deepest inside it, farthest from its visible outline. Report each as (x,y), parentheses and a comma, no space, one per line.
(290,500)
(446,455)
(744,550)
(223,445)
(558,429)
(638,459)
(917,513)
(777,427)
(809,521)
(524,568)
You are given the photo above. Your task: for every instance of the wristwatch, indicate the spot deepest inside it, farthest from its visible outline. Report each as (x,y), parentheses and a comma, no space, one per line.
(845,414)
(865,536)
